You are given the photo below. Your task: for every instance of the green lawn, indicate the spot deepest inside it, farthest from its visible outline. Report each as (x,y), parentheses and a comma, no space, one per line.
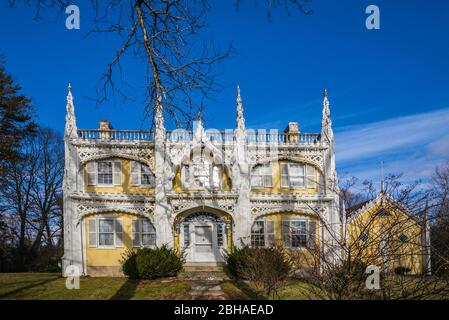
(242,290)
(52,286)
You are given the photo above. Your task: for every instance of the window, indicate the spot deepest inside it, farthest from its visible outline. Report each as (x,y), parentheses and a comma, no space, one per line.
(262,233)
(186,235)
(105,172)
(383,213)
(299,233)
(261,176)
(364,237)
(216,176)
(141,174)
(297,175)
(143,233)
(220,235)
(105,232)
(201,176)
(403,237)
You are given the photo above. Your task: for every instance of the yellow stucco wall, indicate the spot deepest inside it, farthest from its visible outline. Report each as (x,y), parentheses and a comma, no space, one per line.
(407,254)
(276,179)
(125,187)
(301,257)
(99,257)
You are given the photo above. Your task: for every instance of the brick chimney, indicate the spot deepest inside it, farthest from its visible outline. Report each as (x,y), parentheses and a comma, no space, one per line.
(292,132)
(105,125)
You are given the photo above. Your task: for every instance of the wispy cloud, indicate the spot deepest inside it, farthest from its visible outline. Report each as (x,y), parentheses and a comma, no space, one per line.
(412,145)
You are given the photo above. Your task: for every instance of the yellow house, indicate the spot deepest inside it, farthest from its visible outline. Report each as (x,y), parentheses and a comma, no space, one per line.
(201,192)
(385,233)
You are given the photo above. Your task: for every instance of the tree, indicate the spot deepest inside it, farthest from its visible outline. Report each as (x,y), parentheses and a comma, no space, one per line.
(29,204)
(180,67)
(15,118)
(387,238)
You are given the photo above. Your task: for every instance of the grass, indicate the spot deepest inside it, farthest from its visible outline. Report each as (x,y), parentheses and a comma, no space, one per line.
(242,290)
(47,286)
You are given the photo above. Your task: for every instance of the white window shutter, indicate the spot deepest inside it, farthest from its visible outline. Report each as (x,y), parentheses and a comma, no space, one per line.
(269,233)
(119,232)
(92,232)
(135,171)
(136,232)
(91,169)
(284,175)
(117,173)
(311,240)
(310,176)
(286,234)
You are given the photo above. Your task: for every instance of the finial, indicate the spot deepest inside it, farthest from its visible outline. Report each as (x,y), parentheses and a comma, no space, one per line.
(382,181)
(325,92)
(70,87)
(240,117)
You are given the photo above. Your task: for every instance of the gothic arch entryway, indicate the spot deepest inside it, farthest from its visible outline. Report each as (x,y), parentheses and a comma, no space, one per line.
(203,235)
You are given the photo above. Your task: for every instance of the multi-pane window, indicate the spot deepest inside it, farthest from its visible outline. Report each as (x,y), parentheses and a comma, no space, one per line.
(297,175)
(186,230)
(298,233)
(202,176)
(141,174)
(262,233)
(220,235)
(143,233)
(105,172)
(105,232)
(261,176)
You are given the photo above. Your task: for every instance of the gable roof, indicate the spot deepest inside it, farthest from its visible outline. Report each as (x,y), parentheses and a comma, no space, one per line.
(382,199)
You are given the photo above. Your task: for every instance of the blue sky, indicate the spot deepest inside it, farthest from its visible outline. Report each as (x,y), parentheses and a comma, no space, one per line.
(389,88)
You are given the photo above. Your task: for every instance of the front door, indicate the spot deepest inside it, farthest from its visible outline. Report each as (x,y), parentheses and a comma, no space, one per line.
(203,241)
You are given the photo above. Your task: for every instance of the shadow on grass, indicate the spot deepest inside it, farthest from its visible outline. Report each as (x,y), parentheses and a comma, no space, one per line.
(249,292)
(127,290)
(11,294)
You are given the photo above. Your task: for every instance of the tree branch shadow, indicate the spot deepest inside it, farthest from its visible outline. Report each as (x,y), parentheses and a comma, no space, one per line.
(32,285)
(127,290)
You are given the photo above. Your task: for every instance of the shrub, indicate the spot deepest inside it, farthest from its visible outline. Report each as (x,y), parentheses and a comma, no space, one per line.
(266,268)
(158,262)
(128,262)
(236,261)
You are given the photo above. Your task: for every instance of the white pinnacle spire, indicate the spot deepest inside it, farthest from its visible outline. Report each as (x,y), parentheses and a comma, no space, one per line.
(159,120)
(70,119)
(326,122)
(240,117)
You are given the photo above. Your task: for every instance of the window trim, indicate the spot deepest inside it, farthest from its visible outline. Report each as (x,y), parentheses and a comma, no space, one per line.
(140,233)
(97,227)
(305,175)
(139,175)
(307,221)
(265,234)
(114,173)
(264,166)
